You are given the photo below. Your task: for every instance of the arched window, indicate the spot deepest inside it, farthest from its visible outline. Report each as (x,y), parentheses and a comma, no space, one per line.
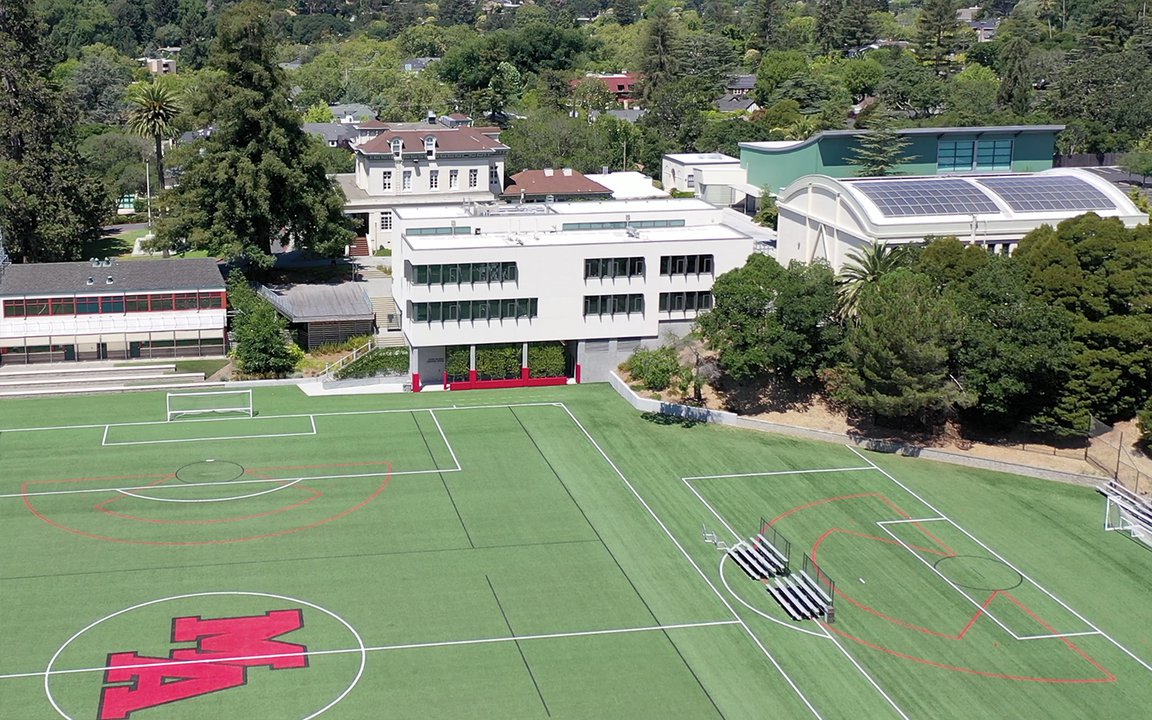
(430,147)
(397,147)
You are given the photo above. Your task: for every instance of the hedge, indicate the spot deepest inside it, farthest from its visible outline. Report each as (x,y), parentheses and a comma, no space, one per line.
(498,362)
(547,359)
(456,359)
(654,368)
(381,361)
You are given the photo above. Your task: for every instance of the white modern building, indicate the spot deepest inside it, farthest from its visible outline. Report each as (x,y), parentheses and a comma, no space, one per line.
(824,218)
(404,164)
(53,312)
(601,277)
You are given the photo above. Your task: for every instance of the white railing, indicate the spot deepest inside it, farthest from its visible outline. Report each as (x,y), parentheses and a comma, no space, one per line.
(335,366)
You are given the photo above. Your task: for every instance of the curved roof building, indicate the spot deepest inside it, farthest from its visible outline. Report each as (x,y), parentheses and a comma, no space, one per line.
(824,218)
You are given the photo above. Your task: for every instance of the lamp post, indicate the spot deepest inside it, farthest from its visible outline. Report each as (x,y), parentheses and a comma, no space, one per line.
(148,190)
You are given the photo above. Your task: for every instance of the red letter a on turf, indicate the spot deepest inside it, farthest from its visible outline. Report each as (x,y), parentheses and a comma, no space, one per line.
(245,641)
(163,683)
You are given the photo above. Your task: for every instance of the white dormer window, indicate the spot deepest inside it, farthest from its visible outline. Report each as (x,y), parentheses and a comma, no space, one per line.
(397,147)
(430,147)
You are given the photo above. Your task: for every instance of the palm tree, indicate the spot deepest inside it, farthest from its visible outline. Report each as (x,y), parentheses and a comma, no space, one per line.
(154,109)
(865,267)
(802,128)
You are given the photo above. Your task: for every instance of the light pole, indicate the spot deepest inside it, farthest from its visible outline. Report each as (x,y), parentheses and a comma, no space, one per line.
(148,190)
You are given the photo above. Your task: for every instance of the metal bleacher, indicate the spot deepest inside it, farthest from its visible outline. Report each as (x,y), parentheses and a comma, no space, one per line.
(768,561)
(1136,510)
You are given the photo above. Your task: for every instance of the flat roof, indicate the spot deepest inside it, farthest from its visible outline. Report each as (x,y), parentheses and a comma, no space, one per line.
(621,207)
(694,233)
(629,185)
(978,130)
(701,158)
(133,276)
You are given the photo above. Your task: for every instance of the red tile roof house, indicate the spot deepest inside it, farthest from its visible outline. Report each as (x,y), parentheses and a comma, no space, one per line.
(553,186)
(622,85)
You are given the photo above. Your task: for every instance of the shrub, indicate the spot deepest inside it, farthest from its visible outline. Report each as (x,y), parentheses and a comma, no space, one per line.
(456,361)
(547,359)
(347,346)
(655,369)
(1145,420)
(498,362)
(380,361)
(383,252)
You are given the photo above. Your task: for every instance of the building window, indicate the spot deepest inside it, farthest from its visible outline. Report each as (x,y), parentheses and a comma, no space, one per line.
(954,156)
(386,180)
(613,304)
(211,301)
(397,147)
(460,273)
(685,301)
(63,306)
(453,179)
(686,264)
(473,177)
(613,267)
(386,220)
(115,303)
(13,308)
(433,179)
(620,225)
(443,230)
(470,310)
(493,175)
(406,183)
(136,303)
(994,154)
(430,147)
(161,303)
(691,181)
(185,301)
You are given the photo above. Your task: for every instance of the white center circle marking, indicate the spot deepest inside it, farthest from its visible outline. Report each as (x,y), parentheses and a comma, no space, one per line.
(361,649)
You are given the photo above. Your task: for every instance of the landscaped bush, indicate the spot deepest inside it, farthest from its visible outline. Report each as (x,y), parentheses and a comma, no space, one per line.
(1145,420)
(381,361)
(456,359)
(654,369)
(348,345)
(547,359)
(498,362)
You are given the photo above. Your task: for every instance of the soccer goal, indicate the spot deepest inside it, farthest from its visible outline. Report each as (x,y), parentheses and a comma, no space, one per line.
(222,402)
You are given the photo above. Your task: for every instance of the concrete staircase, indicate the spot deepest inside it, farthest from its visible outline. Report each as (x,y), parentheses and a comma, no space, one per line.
(80,378)
(387,314)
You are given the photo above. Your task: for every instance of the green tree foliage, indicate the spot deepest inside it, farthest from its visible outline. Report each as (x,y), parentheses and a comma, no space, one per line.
(262,344)
(456,12)
(1138,162)
(1016,72)
(49,204)
(937,32)
(770,319)
(626,12)
(118,160)
(97,81)
(260,181)
(1120,88)
(865,267)
(654,369)
(948,261)
(879,149)
(1145,421)
(970,97)
(769,214)
(908,85)
(777,66)
(553,139)
(659,51)
(318,113)
(898,353)
(152,114)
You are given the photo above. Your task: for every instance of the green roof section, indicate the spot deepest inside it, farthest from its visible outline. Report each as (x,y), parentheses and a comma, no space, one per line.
(931,151)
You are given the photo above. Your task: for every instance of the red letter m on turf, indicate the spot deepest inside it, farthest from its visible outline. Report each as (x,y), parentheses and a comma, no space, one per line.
(225,649)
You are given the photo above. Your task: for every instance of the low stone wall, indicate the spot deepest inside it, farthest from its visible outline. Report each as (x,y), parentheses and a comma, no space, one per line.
(722,417)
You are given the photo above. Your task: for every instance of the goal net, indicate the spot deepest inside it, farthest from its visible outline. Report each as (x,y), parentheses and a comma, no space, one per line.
(1122,519)
(223,402)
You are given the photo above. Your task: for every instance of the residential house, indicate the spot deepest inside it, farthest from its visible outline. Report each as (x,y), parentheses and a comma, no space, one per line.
(622,85)
(334,134)
(418,64)
(732,103)
(351,113)
(740,84)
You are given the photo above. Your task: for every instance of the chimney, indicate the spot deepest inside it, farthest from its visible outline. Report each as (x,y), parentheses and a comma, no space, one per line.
(567,172)
(548,172)
(431,117)
(604,170)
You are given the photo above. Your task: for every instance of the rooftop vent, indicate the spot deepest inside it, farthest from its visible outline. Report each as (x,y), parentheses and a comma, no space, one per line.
(548,172)
(109,280)
(633,232)
(95,262)
(430,118)
(91,280)
(567,172)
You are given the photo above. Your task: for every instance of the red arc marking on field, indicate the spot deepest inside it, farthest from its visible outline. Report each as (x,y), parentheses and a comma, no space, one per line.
(944,551)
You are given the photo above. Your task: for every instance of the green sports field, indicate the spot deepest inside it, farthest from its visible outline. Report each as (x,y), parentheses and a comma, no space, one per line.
(534,554)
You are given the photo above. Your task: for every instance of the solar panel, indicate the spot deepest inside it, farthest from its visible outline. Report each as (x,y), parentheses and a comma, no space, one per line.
(902,198)
(1055,192)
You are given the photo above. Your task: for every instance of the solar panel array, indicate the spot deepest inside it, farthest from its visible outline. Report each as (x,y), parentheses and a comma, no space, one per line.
(1056,192)
(902,198)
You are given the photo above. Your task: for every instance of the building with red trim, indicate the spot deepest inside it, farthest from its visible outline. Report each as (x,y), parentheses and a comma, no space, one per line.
(111,310)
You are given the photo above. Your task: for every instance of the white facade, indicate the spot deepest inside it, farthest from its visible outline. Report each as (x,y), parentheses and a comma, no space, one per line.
(682,171)
(403,164)
(659,280)
(826,219)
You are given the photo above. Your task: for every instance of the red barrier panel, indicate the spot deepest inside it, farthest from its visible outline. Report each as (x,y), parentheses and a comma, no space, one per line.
(510,383)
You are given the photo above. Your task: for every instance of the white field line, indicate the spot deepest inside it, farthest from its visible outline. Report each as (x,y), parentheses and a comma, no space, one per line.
(863,672)
(104,439)
(902,521)
(1055,636)
(777,472)
(287,415)
(207,439)
(999,557)
(977,604)
(445,438)
(724,522)
(688,557)
(254,481)
(381,648)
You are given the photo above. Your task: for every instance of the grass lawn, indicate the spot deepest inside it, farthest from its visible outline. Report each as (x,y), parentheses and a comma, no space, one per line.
(534,554)
(208,366)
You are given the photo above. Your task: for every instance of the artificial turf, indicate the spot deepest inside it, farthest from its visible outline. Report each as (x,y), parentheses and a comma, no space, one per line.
(536,554)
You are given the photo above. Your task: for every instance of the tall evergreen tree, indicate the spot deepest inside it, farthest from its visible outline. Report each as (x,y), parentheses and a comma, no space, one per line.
(937,31)
(456,12)
(880,148)
(49,205)
(659,63)
(1015,75)
(260,180)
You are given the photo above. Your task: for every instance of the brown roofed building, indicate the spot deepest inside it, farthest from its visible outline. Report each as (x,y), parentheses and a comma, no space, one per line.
(553,185)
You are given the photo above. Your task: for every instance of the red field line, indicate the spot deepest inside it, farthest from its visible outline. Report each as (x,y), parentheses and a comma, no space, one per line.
(102,507)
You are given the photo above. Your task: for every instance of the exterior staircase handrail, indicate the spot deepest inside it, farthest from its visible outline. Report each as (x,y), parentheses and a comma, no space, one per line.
(333,367)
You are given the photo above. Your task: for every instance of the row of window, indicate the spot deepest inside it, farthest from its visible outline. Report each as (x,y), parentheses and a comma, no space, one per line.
(446,230)
(686,264)
(505,309)
(613,267)
(613,304)
(676,301)
(434,179)
(622,224)
(458,273)
(163,302)
(969,155)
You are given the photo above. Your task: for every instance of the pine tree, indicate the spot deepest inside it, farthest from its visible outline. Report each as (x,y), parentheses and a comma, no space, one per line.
(260,180)
(880,148)
(937,31)
(659,63)
(1015,75)
(49,205)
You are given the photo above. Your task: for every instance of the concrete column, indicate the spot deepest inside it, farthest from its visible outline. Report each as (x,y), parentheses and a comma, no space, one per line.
(414,368)
(524,369)
(471,363)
